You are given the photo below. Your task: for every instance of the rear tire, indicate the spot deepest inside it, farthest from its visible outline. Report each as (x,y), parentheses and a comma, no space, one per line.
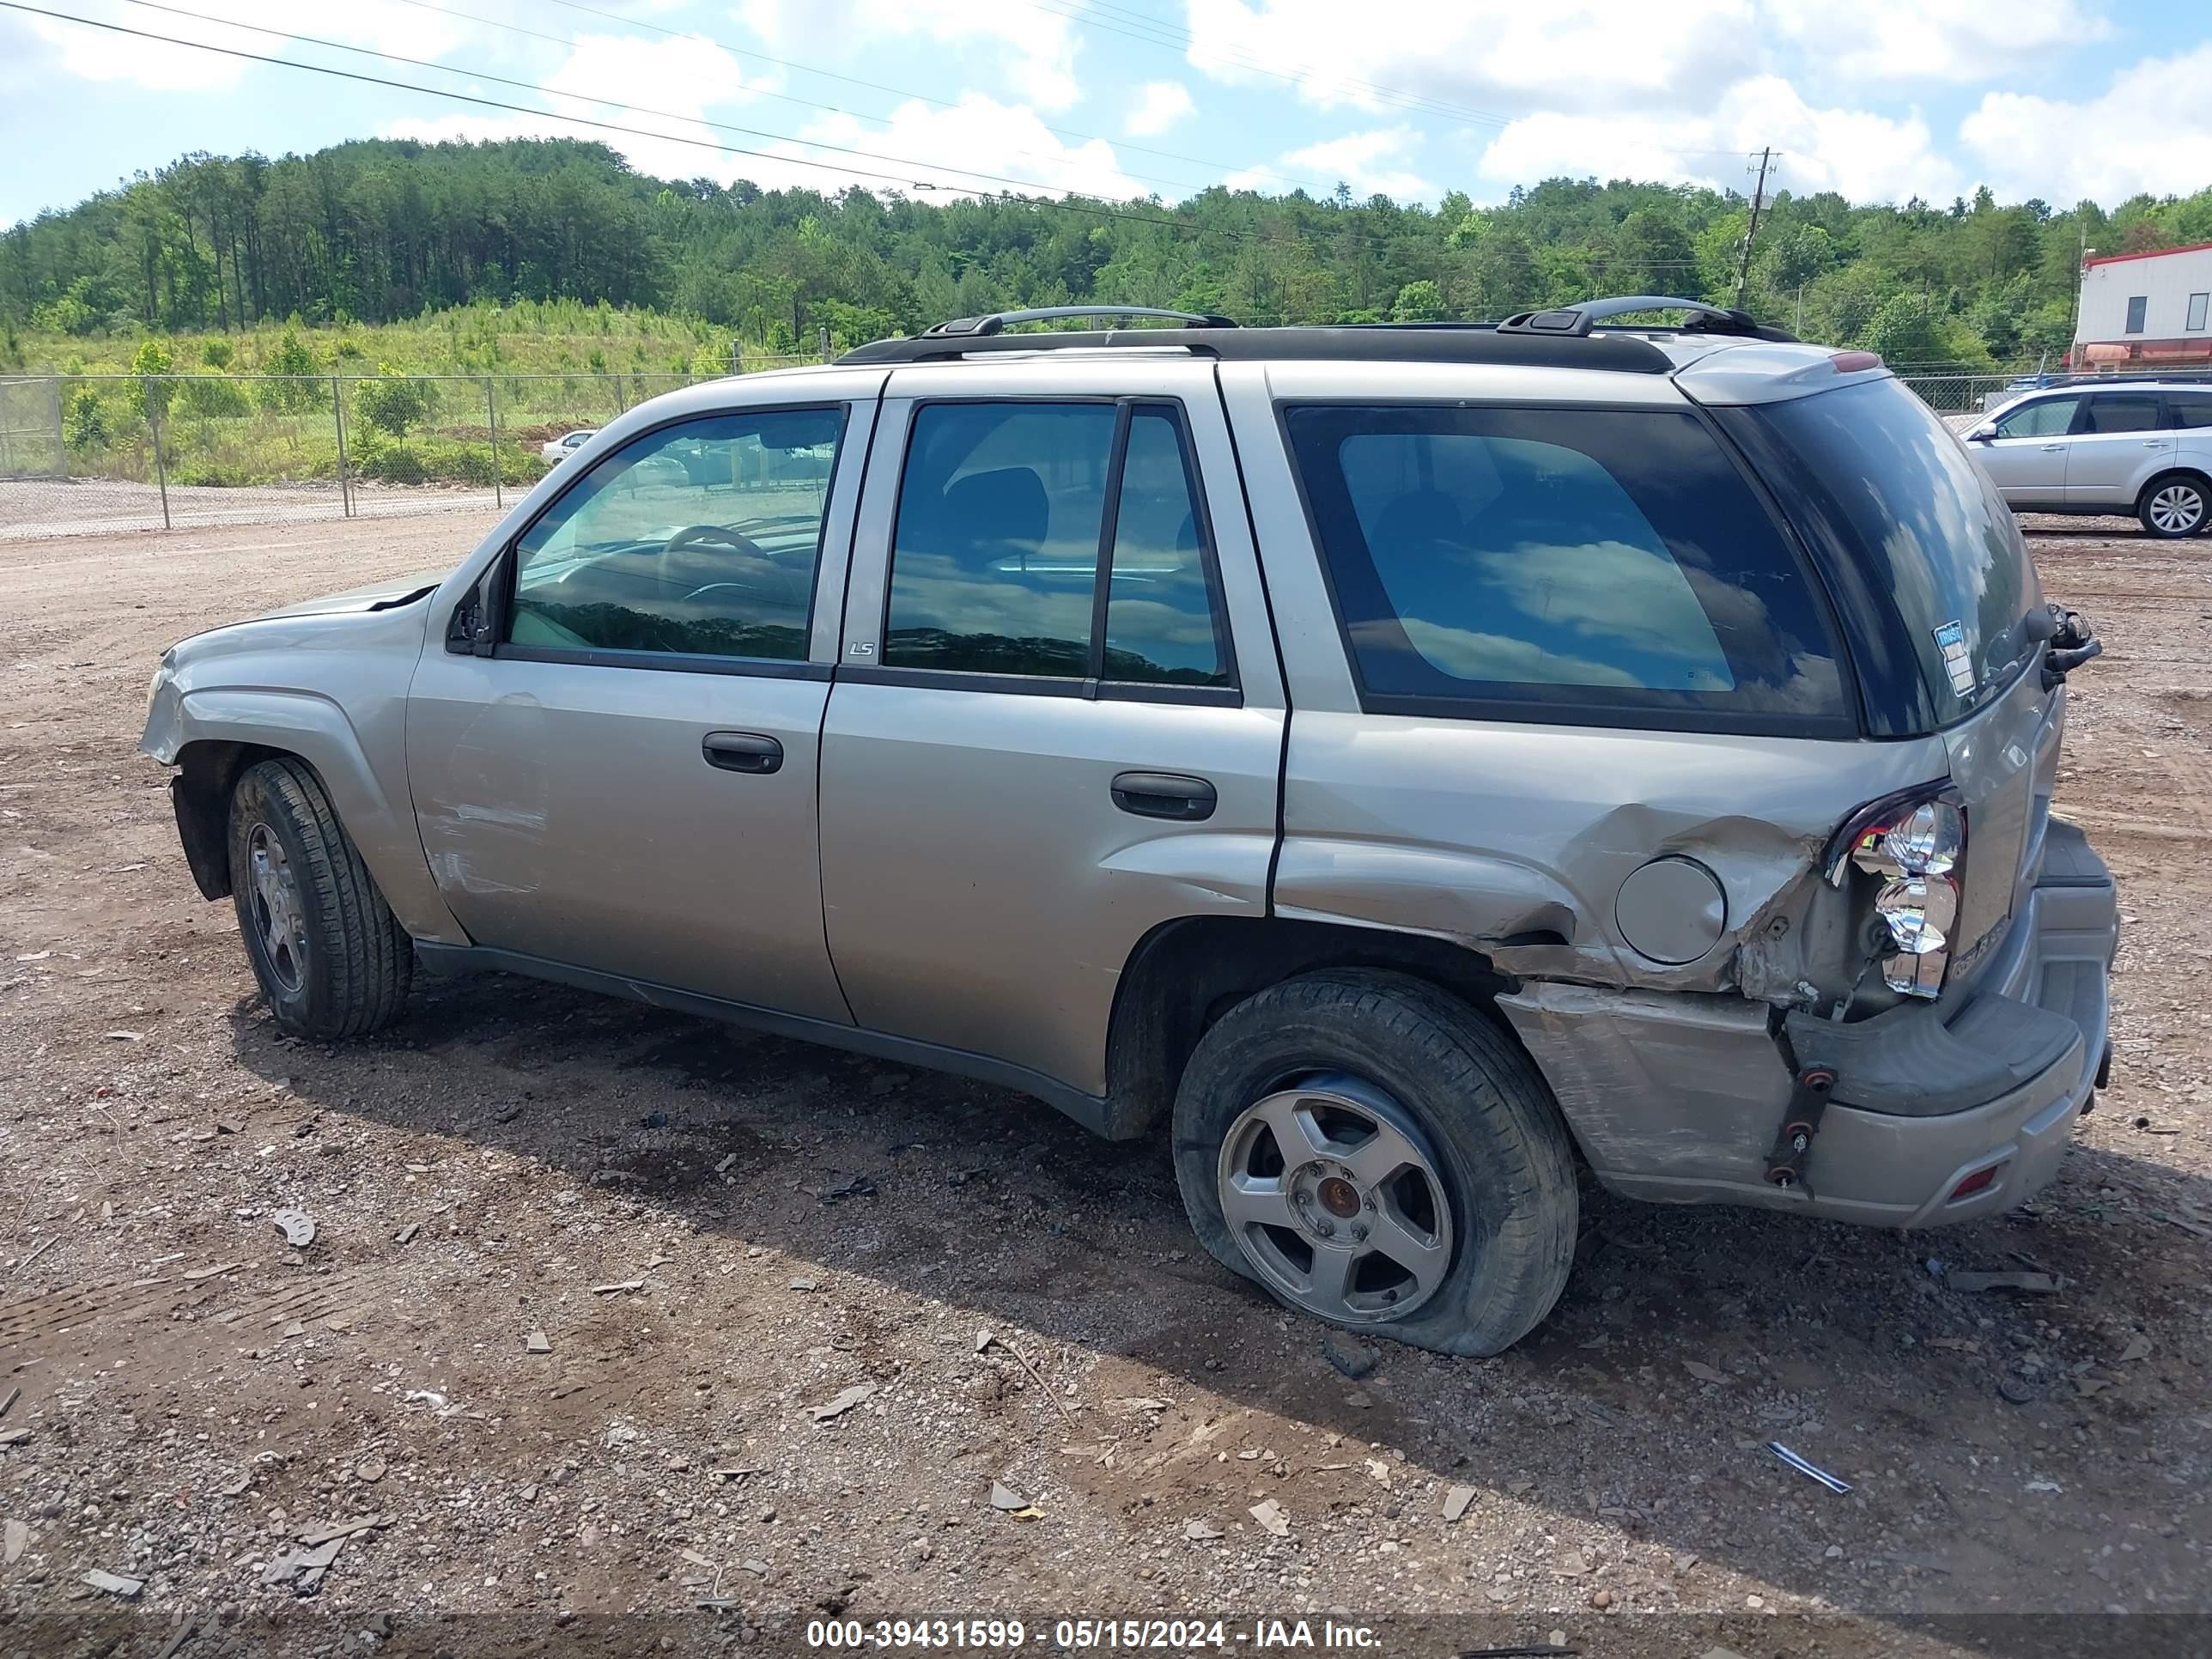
(2175,506)
(329,956)
(1396,1075)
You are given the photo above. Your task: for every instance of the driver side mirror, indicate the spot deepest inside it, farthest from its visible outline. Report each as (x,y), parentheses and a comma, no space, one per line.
(472,631)
(1982,434)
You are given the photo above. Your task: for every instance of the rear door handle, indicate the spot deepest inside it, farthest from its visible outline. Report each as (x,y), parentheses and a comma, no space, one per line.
(2053,449)
(742,751)
(1164,795)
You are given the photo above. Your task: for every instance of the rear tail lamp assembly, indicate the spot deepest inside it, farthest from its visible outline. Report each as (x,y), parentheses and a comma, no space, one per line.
(1915,849)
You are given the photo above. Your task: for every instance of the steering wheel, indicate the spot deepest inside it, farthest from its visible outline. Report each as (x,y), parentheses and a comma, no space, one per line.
(692,535)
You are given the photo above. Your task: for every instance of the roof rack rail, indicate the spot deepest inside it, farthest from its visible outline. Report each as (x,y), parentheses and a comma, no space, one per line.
(1617,349)
(996,321)
(1577,320)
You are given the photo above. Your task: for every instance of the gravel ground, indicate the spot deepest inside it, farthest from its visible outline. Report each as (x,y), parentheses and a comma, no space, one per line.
(588,1330)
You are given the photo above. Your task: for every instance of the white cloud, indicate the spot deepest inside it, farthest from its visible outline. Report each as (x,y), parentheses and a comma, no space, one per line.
(676,77)
(1884,41)
(95,54)
(2151,130)
(1036,48)
(1866,156)
(999,140)
(1158,106)
(1368,163)
(1501,56)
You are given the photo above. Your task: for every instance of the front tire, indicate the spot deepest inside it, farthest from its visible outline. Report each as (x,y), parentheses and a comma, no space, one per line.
(1373,1151)
(2175,506)
(327,952)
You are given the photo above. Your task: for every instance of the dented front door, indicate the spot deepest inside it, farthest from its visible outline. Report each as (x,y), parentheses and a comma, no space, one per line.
(646,807)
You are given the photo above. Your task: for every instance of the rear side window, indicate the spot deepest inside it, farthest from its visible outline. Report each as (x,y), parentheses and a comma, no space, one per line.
(2119,411)
(1053,541)
(1923,555)
(2191,411)
(1600,567)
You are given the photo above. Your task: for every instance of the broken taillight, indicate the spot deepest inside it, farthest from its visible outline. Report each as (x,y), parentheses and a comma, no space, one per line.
(1914,849)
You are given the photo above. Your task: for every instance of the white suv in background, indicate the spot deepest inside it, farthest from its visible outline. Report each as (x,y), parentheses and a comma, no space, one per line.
(2142,449)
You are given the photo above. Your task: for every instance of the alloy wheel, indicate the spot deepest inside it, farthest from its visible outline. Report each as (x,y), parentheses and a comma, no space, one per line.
(1336,1200)
(2177,509)
(279,916)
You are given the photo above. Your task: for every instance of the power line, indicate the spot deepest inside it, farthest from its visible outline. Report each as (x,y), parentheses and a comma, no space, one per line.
(587,97)
(900,179)
(1294,237)
(1089,209)
(827,75)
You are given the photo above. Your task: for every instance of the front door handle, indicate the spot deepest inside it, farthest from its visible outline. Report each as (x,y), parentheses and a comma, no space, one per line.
(2053,449)
(1164,795)
(742,751)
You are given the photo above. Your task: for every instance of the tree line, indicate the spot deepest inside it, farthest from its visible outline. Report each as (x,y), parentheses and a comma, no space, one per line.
(382,230)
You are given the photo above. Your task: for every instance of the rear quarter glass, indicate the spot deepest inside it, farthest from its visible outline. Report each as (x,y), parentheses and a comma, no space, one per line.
(1593,567)
(1924,557)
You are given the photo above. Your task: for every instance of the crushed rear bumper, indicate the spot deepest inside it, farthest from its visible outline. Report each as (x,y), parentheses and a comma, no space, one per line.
(1677,1098)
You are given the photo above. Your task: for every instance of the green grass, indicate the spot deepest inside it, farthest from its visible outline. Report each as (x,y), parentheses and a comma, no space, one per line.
(551,366)
(530,336)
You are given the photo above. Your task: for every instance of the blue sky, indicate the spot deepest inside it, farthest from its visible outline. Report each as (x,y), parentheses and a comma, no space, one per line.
(1880,98)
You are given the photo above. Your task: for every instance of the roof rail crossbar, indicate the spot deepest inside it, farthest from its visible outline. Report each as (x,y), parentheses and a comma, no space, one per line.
(1577,320)
(996,321)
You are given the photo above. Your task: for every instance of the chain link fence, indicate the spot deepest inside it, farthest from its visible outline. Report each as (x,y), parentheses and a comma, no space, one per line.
(98,453)
(93,454)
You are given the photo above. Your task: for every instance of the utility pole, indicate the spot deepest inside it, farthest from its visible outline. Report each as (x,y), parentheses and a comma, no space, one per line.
(1751,232)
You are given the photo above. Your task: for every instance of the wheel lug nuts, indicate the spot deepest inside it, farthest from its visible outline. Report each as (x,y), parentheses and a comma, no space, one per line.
(1359,1234)
(1325,1230)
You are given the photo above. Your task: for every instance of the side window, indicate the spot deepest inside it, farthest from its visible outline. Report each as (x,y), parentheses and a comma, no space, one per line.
(2051,417)
(1584,563)
(1161,621)
(2122,411)
(2197,312)
(699,539)
(2191,411)
(2136,304)
(1011,517)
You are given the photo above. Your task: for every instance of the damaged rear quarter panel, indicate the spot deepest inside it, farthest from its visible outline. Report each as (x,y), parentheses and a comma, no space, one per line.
(1514,840)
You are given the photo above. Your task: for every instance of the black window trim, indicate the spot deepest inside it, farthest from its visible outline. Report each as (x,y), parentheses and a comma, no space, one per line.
(499,576)
(1596,713)
(2136,321)
(2081,401)
(2081,428)
(1093,687)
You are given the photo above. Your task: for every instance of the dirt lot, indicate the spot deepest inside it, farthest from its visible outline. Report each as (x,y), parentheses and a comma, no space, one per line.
(37,509)
(766,1397)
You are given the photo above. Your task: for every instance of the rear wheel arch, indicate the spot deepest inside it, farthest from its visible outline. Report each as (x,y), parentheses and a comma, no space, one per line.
(1185,973)
(2175,474)
(1309,1110)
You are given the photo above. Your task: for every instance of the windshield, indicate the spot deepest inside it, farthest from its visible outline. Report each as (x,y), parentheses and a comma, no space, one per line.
(1925,557)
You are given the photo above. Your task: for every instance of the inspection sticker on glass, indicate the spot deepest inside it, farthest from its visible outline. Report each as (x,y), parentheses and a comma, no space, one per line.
(1951,640)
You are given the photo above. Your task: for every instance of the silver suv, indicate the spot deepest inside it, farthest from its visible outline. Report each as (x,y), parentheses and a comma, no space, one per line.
(1406,766)
(2140,448)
